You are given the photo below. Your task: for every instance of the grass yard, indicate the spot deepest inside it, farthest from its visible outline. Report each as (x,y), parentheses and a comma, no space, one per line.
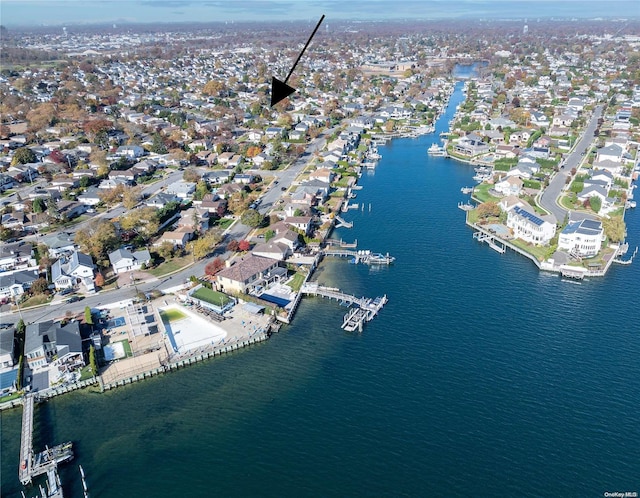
(296,281)
(172,315)
(172,265)
(36,300)
(539,252)
(481,193)
(211,296)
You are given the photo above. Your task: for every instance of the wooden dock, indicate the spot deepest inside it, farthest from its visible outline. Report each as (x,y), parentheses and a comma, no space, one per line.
(366,309)
(341,243)
(46,462)
(361,256)
(343,223)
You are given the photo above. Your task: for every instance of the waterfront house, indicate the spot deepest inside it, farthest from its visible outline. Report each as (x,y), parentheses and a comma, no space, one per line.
(531,227)
(123,260)
(245,274)
(582,238)
(272,250)
(511,185)
(70,270)
(53,343)
(7,345)
(471,145)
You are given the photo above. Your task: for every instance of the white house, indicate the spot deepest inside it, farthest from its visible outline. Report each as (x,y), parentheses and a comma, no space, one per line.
(272,250)
(16,283)
(530,227)
(582,238)
(123,260)
(68,271)
(511,185)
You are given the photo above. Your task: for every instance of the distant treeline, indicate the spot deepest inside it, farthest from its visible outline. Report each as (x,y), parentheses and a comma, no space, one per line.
(19,55)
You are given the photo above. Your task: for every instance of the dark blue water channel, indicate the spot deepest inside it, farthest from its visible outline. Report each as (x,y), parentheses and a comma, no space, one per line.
(481,376)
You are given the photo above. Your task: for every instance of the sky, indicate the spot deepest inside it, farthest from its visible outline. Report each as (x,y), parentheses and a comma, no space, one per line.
(61,12)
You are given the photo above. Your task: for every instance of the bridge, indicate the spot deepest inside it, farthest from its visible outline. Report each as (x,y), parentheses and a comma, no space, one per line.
(45,462)
(366,310)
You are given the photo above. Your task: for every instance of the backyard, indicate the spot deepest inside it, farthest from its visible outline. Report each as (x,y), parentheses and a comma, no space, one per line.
(211,296)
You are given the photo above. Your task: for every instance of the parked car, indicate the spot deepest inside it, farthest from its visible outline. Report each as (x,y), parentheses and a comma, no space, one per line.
(73,299)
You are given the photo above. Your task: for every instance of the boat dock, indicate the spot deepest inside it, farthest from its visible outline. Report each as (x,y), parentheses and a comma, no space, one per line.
(342,223)
(46,462)
(342,243)
(490,240)
(361,256)
(366,309)
(466,206)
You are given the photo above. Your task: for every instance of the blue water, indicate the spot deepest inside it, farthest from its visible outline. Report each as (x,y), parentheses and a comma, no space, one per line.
(480,377)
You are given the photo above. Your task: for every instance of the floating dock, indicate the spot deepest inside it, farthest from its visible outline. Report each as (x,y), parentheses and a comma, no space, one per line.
(366,309)
(362,256)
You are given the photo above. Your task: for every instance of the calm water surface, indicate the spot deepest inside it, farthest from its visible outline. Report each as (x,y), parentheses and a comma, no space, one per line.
(481,376)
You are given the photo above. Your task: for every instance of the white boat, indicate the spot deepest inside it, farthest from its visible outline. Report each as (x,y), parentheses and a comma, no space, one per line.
(630,204)
(466,190)
(436,150)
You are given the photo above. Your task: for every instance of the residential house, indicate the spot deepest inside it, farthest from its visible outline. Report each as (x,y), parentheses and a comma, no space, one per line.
(530,227)
(52,343)
(69,210)
(582,238)
(323,174)
(274,131)
(16,283)
(612,152)
(90,197)
(161,199)
(177,238)
(7,353)
(70,270)
(511,185)
(471,145)
(123,260)
(59,243)
(272,250)
(16,256)
(228,189)
(245,274)
(217,177)
(302,223)
(243,178)
(130,151)
(182,190)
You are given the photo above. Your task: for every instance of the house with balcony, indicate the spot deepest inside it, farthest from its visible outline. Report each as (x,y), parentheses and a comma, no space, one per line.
(72,270)
(531,227)
(53,344)
(247,273)
(582,238)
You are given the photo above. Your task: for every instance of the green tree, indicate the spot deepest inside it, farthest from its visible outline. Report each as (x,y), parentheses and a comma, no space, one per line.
(23,155)
(98,239)
(595,203)
(93,363)
(614,228)
(88,317)
(38,205)
(251,218)
(202,189)
(268,235)
(577,187)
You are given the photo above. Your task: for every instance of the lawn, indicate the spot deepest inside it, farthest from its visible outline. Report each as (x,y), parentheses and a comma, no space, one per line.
(86,373)
(211,296)
(35,301)
(481,193)
(127,348)
(539,252)
(224,223)
(297,281)
(172,315)
(172,265)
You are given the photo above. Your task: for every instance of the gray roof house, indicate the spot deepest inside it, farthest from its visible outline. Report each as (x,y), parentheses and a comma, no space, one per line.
(16,283)
(59,243)
(7,359)
(51,342)
(68,271)
(123,260)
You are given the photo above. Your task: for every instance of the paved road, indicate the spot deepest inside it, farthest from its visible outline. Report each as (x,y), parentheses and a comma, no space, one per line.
(238,231)
(549,197)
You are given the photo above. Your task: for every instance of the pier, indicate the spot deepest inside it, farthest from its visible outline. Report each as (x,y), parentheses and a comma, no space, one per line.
(341,243)
(362,256)
(45,462)
(366,309)
(490,240)
(342,223)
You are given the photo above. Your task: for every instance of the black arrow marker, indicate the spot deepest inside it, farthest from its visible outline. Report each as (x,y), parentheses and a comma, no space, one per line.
(279,89)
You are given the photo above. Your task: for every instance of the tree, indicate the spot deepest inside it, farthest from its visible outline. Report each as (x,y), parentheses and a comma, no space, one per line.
(131,197)
(244,245)
(23,155)
(252,218)
(202,189)
(99,280)
(88,317)
(214,266)
(488,209)
(165,250)
(98,239)
(213,88)
(577,187)
(93,364)
(596,203)
(39,286)
(38,205)
(232,245)
(191,175)
(268,235)
(205,244)
(614,228)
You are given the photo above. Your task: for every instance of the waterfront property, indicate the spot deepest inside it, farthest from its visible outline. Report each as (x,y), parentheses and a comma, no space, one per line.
(188,330)
(530,227)
(582,238)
